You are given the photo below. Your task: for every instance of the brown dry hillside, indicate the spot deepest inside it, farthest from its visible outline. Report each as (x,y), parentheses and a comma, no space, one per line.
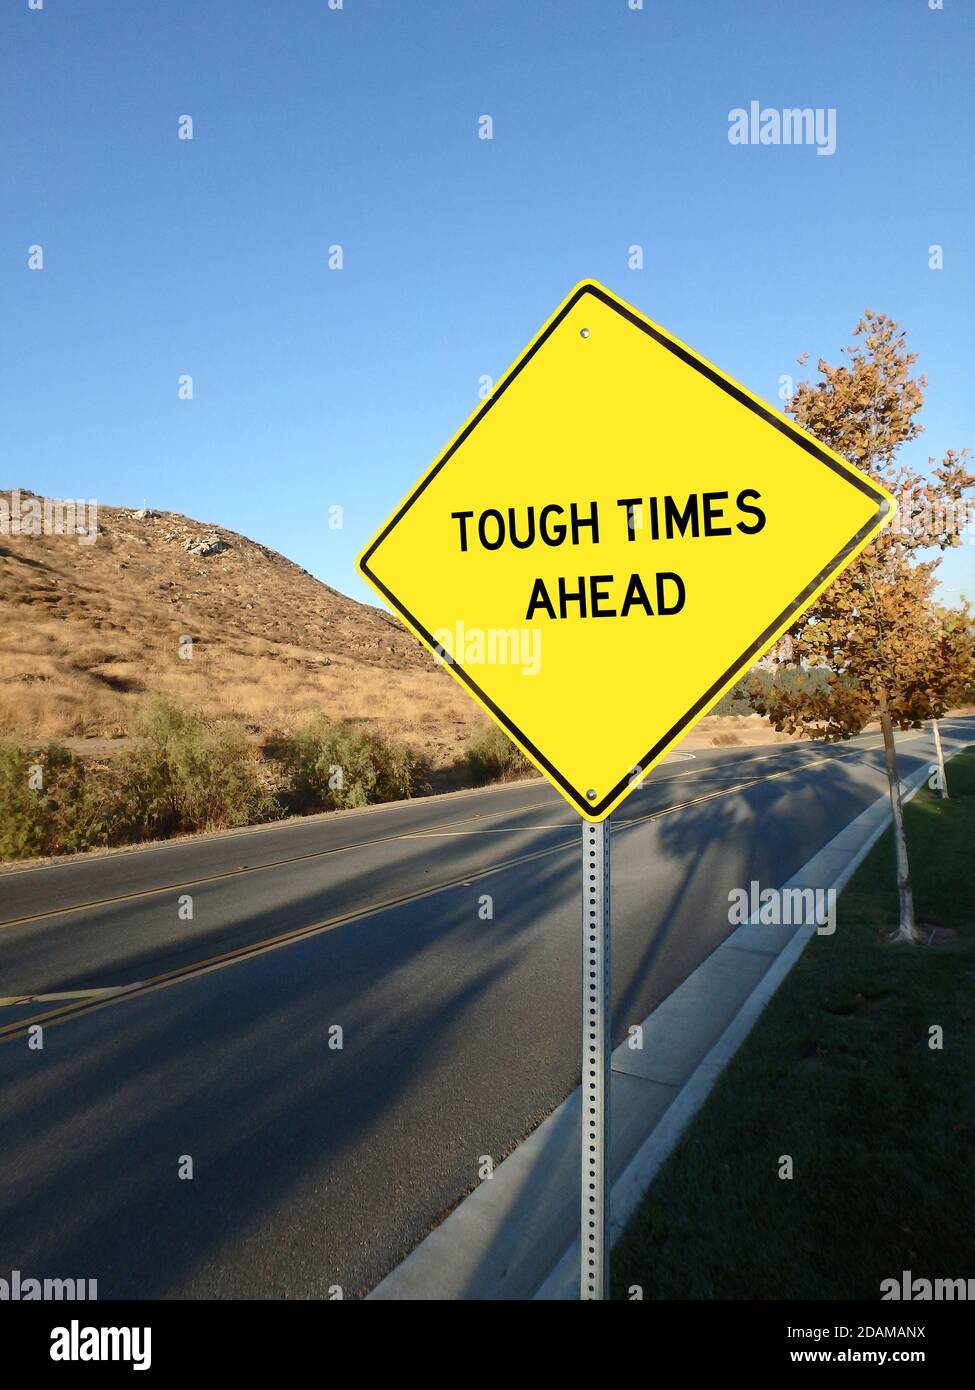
(90,630)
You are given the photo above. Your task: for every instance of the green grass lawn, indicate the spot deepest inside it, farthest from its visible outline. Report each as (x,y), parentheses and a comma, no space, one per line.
(838,1073)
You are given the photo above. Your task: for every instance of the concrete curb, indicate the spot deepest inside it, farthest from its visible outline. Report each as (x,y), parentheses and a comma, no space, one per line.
(516,1236)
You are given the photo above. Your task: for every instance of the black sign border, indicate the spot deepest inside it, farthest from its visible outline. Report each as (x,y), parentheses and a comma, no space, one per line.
(595,809)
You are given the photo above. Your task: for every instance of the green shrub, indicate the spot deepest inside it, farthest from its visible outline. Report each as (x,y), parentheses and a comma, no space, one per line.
(736,700)
(492,757)
(184,774)
(333,766)
(37,789)
(187,773)
(750,690)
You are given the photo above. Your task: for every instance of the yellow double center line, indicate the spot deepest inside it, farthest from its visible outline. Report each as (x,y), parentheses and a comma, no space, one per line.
(247,869)
(257,948)
(94,1000)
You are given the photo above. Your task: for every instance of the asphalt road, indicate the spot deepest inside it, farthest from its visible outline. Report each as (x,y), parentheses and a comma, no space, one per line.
(214,1037)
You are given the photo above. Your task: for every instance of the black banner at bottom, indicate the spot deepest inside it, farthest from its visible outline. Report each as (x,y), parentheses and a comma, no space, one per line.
(169,1338)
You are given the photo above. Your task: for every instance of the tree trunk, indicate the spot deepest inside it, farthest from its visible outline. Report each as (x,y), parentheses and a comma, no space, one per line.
(941,759)
(907,931)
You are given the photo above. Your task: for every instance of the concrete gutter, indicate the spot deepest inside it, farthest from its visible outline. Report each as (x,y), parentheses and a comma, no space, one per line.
(516,1235)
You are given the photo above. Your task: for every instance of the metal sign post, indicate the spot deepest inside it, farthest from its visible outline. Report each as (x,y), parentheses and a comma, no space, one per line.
(596,1051)
(941,760)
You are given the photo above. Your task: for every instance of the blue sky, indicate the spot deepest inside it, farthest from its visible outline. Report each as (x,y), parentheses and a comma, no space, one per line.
(315,388)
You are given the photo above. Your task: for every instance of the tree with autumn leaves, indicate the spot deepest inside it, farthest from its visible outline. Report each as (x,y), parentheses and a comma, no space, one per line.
(891,650)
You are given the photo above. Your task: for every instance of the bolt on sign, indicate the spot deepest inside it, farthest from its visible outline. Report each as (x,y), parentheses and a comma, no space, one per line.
(612,538)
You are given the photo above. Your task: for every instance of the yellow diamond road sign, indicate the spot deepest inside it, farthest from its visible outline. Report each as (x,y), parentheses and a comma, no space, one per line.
(613,537)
